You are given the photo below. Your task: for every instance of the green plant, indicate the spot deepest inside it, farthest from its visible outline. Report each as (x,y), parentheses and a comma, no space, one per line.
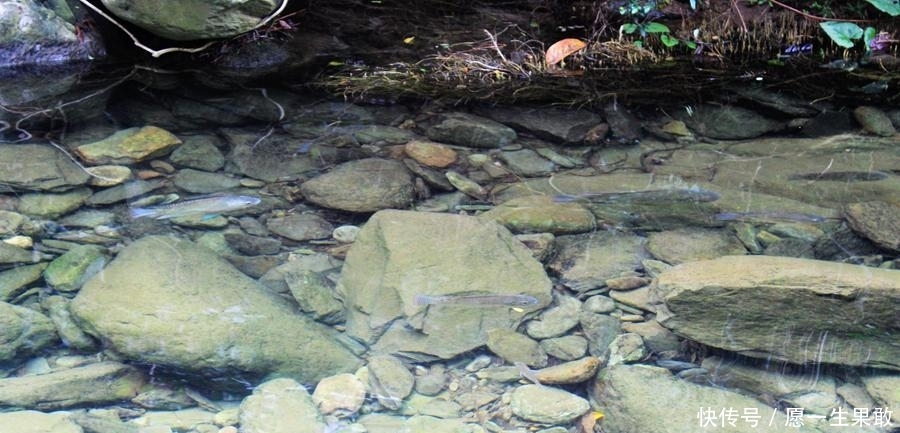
(845,33)
(642,14)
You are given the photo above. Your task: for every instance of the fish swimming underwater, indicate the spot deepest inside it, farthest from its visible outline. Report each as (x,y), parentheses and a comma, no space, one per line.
(209,205)
(475,299)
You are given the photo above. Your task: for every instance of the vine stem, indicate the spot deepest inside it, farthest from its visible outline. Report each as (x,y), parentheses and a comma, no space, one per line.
(815,17)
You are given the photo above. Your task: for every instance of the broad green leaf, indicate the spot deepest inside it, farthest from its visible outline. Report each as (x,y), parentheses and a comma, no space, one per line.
(639,44)
(842,33)
(668,40)
(690,44)
(656,28)
(890,7)
(629,28)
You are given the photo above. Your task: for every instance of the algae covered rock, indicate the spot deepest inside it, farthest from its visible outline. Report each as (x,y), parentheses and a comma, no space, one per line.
(170,302)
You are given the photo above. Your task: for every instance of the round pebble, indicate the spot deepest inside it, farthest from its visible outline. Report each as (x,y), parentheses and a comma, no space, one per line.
(345,234)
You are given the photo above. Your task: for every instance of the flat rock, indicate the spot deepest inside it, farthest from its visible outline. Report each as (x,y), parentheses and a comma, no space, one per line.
(280,406)
(827,312)
(23,331)
(400,254)
(32,421)
(14,281)
(156,288)
(471,131)
(343,393)
(103,382)
(301,227)
(53,204)
(547,405)
(729,122)
(68,272)
(649,399)
(33,167)
(129,146)
(540,214)
(199,152)
(526,162)
(430,153)
(202,182)
(690,244)
(877,221)
(553,124)
(584,262)
(874,121)
(365,185)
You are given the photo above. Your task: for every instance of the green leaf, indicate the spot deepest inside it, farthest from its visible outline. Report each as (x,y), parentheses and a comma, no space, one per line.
(629,28)
(668,40)
(639,44)
(842,33)
(890,7)
(656,28)
(690,44)
(869,35)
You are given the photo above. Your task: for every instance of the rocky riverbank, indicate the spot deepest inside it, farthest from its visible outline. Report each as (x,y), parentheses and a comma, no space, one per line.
(446,269)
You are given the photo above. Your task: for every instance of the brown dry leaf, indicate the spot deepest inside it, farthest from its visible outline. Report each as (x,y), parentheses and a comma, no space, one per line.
(562,49)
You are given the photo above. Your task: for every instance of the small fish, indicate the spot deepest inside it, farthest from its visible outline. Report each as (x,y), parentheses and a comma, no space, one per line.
(664,194)
(776,216)
(475,300)
(846,65)
(209,205)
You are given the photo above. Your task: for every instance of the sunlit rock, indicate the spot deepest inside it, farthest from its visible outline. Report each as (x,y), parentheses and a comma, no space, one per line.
(35,167)
(129,146)
(170,302)
(23,331)
(280,406)
(649,399)
(103,382)
(777,308)
(399,255)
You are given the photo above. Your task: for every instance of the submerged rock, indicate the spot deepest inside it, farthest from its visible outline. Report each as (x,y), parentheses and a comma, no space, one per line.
(366,185)
(34,167)
(129,146)
(280,406)
(103,382)
(23,331)
(471,131)
(553,124)
(170,302)
(640,398)
(729,123)
(778,308)
(399,255)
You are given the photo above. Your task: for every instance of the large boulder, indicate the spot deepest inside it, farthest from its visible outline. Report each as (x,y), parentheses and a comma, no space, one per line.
(170,302)
(779,308)
(23,332)
(399,255)
(641,398)
(38,168)
(183,20)
(42,33)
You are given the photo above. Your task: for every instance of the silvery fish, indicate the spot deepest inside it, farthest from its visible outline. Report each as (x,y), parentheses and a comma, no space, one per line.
(209,205)
(775,216)
(663,194)
(475,299)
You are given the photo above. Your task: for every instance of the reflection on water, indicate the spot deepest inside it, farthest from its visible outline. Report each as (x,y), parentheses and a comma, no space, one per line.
(220,255)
